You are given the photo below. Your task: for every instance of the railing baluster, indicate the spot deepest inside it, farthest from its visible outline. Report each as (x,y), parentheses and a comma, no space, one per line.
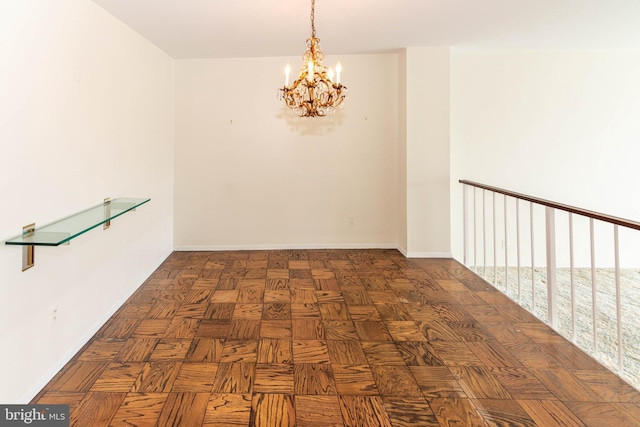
(533,262)
(495,253)
(518,246)
(555,318)
(465,231)
(573,284)
(593,287)
(506,249)
(475,233)
(552,308)
(616,243)
(484,235)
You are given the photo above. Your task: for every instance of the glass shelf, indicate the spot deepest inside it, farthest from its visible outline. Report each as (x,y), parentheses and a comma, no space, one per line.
(61,231)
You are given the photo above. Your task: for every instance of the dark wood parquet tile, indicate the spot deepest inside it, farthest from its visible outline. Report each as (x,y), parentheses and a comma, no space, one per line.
(471,331)
(276,378)
(96,409)
(182,328)
(248,311)
(277,296)
(118,377)
(101,350)
(79,376)
(275,329)
(364,411)
(608,386)
(234,378)
(597,414)
(395,380)
(521,383)
(364,313)
(479,383)
(213,329)
(372,331)
(272,350)
(226,409)
(238,350)
(163,310)
(137,350)
(221,311)
(492,353)
(354,379)
(419,353)
(330,338)
(410,412)
(343,352)
(455,353)
(550,413)
(340,330)
(139,409)
(170,349)
(438,331)
(272,410)
(565,385)
(405,331)
(185,409)
(156,377)
(197,377)
(451,411)
(503,413)
(62,398)
(152,328)
(313,411)
(382,353)
(310,351)
(304,329)
(436,381)
(313,378)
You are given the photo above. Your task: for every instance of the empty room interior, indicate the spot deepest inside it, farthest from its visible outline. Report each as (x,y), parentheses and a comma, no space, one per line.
(203,227)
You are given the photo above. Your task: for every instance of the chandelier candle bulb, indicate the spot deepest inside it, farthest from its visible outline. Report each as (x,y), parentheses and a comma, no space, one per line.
(287,71)
(310,71)
(313,93)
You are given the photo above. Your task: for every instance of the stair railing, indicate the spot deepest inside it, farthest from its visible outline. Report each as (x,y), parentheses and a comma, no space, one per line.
(479,216)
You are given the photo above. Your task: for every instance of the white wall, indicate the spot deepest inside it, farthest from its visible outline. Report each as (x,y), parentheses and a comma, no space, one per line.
(561,125)
(251,174)
(86,112)
(427,151)
(402,151)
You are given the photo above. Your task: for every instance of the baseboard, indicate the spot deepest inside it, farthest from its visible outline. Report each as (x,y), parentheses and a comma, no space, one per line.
(428,255)
(44,380)
(291,246)
(403,251)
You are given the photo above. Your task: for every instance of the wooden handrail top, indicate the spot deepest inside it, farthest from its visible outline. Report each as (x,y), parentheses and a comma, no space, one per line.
(567,208)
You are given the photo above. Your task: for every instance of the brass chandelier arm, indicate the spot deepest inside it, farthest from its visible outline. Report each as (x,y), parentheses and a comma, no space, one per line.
(313,93)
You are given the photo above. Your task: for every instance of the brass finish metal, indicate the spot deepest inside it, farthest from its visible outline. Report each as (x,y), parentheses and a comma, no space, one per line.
(28,252)
(107,212)
(313,93)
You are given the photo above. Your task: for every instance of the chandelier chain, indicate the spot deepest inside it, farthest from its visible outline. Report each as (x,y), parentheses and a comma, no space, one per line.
(313,25)
(313,93)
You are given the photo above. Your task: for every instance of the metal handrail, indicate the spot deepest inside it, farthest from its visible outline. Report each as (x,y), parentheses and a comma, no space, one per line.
(550,237)
(567,208)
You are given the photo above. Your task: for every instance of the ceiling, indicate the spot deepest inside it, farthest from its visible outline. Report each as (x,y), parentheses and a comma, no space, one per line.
(253,28)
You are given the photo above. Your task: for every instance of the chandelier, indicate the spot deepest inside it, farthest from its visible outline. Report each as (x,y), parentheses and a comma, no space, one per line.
(313,93)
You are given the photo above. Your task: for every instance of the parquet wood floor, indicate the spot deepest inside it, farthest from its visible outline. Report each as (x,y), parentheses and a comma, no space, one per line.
(330,338)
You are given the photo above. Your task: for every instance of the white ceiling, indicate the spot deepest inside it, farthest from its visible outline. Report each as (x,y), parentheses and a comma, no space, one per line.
(249,28)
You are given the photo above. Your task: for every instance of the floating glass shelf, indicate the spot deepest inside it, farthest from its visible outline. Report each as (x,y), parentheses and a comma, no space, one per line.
(62,231)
